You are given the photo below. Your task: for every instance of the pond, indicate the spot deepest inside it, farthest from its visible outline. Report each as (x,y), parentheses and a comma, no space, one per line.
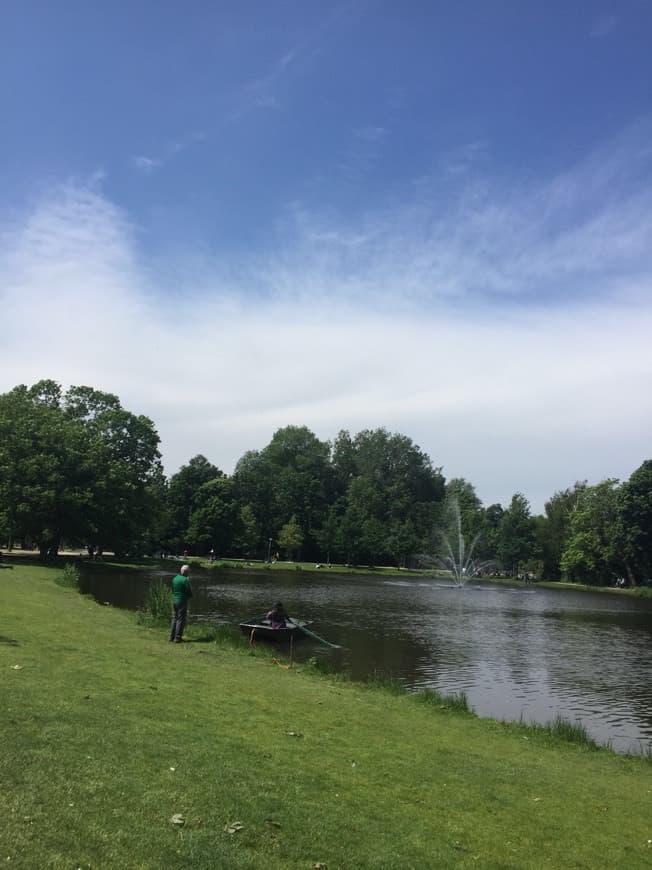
(519,653)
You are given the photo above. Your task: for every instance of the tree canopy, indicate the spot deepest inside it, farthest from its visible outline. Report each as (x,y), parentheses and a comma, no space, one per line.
(77,467)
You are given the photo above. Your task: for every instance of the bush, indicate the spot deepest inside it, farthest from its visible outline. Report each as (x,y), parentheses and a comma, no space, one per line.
(71,578)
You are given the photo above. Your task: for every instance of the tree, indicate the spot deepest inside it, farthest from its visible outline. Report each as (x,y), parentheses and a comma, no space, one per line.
(591,553)
(391,498)
(46,476)
(248,531)
(634,534)
(553,529)
(489,540)
(290,537)
(183,492)
(292,475)
(125,512)
(328,536)
(516,534)
(301,472)
(214,520)
(76,467)
(254,478)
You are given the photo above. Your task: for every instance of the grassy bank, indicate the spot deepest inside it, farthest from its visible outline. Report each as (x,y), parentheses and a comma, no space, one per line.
(108,732)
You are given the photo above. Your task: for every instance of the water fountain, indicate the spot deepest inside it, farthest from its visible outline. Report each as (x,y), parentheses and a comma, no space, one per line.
(456,558)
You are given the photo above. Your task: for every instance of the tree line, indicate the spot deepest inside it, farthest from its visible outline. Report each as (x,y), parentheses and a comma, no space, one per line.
(77,469)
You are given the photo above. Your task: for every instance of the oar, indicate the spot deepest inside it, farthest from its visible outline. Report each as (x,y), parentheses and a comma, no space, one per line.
(312,634)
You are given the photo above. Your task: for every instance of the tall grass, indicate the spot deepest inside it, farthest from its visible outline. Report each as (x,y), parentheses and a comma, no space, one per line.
(157,606)
(71,578)
(225,636)
(386,684)
(563,729)
(457,702)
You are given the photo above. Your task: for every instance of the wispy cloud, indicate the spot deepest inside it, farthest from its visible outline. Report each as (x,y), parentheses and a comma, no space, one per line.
(262,92)
(362,151)
(265,91)
(150,165)
(603,25)
(146,164)
(461,159)
(422,319)
(471,239)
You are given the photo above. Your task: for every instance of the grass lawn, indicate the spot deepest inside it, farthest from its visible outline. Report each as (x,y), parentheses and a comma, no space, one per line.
(108,732)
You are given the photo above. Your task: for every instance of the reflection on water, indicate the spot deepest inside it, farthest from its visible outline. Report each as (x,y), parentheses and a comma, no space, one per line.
(517,653)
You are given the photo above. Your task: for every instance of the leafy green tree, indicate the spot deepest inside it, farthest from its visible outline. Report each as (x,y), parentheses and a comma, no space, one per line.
(291,476)
(248,531)
(553,529)
(392,496)
(214,520)
(343,462)
(183,493)
(290,537)
(488,543)
(634,534)
(591,552)
(76,467)
(123,447)
(301,470)
(46,476)
(328,536)
(254,480)
(516,534)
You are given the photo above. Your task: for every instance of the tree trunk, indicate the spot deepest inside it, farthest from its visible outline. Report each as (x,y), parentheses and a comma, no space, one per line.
(630,574)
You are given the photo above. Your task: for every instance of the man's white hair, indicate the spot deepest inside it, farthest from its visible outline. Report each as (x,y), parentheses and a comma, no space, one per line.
(184,569)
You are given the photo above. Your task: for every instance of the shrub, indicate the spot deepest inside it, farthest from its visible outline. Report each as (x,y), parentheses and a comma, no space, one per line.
(71,578)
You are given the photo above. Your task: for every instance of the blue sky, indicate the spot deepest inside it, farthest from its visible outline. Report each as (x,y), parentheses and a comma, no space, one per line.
(431,216)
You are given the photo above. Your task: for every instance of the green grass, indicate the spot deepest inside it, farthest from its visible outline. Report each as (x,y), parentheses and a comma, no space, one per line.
(107,731)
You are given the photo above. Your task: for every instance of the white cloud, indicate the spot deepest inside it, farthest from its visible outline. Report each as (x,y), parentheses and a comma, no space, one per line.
(602,26)
(146,164)
(421,323)
(150,165)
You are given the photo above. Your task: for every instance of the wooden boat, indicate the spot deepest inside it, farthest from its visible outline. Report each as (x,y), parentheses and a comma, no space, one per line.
(260,628)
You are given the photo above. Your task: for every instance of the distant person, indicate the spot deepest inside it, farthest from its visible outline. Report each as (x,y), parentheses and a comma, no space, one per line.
(211,555)
(277,616)
(186,553)
(181,593)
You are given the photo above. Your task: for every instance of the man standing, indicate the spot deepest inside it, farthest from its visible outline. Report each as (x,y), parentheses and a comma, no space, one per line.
(181,592)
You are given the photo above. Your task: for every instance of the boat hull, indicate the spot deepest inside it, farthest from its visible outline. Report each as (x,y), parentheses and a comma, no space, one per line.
(261,629)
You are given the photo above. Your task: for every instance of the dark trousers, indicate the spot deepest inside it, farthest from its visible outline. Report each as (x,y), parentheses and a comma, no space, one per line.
(178,619)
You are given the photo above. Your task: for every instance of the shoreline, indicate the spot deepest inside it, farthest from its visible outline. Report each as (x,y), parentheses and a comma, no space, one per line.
(274,768)
(109,562)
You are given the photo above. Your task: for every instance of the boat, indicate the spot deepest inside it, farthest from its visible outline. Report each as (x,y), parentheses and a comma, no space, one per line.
(260,628)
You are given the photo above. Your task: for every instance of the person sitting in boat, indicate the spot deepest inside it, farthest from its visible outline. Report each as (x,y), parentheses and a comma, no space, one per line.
(277,616)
